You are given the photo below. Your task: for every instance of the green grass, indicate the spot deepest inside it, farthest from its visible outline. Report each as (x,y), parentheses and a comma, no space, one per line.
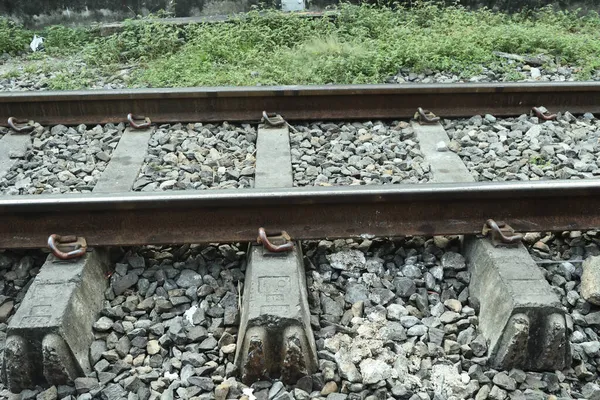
(365,44)
(368,44)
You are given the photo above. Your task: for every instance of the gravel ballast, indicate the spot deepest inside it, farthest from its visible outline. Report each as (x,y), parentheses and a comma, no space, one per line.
(62,160)
(526,148)
(369,153)
(392,319)
(199,156)
(561,256)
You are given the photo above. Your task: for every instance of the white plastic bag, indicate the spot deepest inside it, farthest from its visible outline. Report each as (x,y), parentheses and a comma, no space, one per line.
(36,43)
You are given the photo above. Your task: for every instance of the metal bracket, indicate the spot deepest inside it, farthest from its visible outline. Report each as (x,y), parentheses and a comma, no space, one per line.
(280,243)
(135,121)
(67,247)
(501,234)
(273,120)
(424,117)
(20,125)
(543,114)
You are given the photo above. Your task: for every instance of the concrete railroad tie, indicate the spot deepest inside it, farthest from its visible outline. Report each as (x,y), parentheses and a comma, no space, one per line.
(49,337)
(519,314)
(275,338)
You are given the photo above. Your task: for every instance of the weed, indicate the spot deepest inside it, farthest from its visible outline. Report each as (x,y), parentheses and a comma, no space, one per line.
(14,38)
(364,44)
(540,161)
(13,73)
(61,40)
(138,41)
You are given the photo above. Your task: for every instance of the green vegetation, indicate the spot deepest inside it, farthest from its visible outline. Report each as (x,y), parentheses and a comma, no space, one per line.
(540,161)
(61,40)
(367,44)
(364,44)
(13,38)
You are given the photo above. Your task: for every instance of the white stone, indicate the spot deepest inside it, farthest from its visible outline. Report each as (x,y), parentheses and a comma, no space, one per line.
(374,371)
(441,146)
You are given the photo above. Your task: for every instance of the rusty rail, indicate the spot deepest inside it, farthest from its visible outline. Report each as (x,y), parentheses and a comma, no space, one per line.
(304,213)
(298,102)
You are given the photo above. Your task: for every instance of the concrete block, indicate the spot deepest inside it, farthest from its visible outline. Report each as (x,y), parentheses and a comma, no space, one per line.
(275,339)
(49,336)
(520,315)
(274,164)
(12,144)
(446,166)
(125,164)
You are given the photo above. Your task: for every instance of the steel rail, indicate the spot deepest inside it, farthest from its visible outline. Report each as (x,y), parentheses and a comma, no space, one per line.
(298,103)
(122,219)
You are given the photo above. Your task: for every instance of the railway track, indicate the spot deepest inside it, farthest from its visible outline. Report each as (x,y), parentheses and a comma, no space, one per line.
(128,329)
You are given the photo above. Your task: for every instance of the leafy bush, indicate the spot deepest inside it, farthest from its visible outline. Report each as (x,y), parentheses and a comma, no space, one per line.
(140,40)
(62,40)
(13,37)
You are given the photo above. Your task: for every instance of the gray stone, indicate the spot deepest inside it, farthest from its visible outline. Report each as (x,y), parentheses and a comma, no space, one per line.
(331,306)
(417,330)
(497,394)
(396,311)
(84,385)
(405,287)
(209,343)
(408,321)
(347,260)
(103,324)
(132,383)
(113,392)
(48,394)
(356,292)
(63,391)
(591,391)
(121,284)
(123,346)
(453,261)
(590,280)
(504,381)
(96,349)
(188,278)
(347,368)
(206,384)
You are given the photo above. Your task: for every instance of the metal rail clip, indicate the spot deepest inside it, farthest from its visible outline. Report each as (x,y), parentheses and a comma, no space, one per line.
(275,243)
(20,125)
(273,120)
(501,234)
(543,114)
(426,117)
(138,121)
(67,247)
